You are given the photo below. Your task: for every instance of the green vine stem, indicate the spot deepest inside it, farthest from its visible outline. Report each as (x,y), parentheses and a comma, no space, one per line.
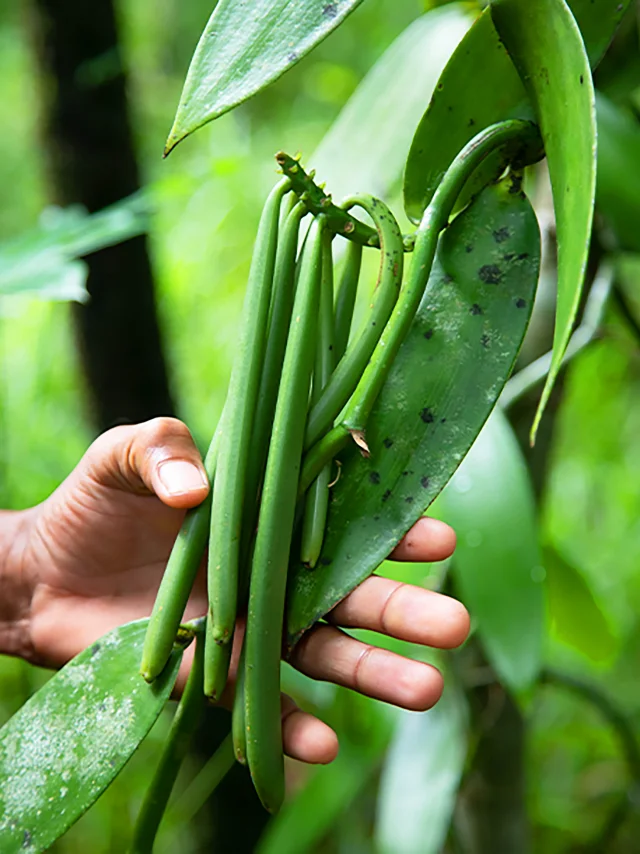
(339,220)
(175,748)
(521,140)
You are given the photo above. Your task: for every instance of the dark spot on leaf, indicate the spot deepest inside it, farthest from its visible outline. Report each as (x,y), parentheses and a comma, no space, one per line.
(374,477)
(468,247)
(387,495)
(471,122)
(26,839)
(476,309)
(424,482)
(330,10)
(501,234)
(292,57)
(326,561)
(427,415)
(388,443)
(523,256)
(405,473)
(95,649)
(446,279)
(443,420)
(581,78)
(428,334)
(485,340)
(509,256)
(376,518)
(490,274)
(409,499)
(521,303)
(330,347)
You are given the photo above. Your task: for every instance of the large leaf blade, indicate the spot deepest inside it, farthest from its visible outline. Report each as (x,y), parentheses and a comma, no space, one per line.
(479,87)
(442,387)
(71,739)
(545,44)
(245,46)
(380,116)
(420,779)
(497,563)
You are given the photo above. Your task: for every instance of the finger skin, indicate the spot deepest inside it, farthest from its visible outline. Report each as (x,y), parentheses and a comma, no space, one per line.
(158,456)
(428,540)
(327,653)
(404,611)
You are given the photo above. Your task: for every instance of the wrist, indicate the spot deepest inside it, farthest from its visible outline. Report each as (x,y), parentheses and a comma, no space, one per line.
(16,585)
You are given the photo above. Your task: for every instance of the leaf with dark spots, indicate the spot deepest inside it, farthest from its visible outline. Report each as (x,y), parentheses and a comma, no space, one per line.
(325,561)
(485,340)
(374,477)
(447,279)
(427,415)
(388,443)
(409,499)
(476,309)
(387,495)
(468,248)
(459,381)
(428,334)
(501,234)
(490,274)
(521,303)
(509,256)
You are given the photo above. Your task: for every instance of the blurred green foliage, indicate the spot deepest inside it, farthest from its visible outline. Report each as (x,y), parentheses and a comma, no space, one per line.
(205,200)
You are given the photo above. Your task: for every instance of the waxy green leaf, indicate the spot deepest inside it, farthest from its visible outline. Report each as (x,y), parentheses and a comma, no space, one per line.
(72,738)
(246,45)
(497,562)
(420,779)
(380,115)
(480,86)
(545,44)
(442,387)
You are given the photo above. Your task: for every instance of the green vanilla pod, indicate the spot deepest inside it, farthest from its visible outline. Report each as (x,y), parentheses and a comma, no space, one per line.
(179,575)
(173,753)
(216,665)
(229,487)
(279,320)
(263,639)
(238,720)
(443,384)
(346,298)
(348,371)
(317,500)
(514,135)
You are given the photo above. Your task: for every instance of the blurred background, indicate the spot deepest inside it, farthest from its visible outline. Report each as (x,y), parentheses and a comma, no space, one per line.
(85,111)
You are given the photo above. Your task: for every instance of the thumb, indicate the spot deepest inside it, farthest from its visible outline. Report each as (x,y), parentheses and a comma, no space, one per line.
(156,457)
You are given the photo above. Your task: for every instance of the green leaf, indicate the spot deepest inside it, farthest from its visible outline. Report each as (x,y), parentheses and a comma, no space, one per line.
(43,262)
(73,737)
(442,387)
(576,618)
(544,42)
(420,779)
(246,45)
(479,87)
(380,116)
(497,563)
(618,183)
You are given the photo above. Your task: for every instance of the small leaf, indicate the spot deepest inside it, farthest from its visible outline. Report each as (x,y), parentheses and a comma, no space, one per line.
(420,779)
(71,739)
(380,116)
(442,387)
(497,562)
(576,618)
(43,262)
(544,42)
(245,46)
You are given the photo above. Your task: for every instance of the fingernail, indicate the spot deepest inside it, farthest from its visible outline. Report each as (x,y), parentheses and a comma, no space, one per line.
(179,477)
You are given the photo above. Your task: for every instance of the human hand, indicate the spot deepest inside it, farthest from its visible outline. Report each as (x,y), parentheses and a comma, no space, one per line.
(94,553)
